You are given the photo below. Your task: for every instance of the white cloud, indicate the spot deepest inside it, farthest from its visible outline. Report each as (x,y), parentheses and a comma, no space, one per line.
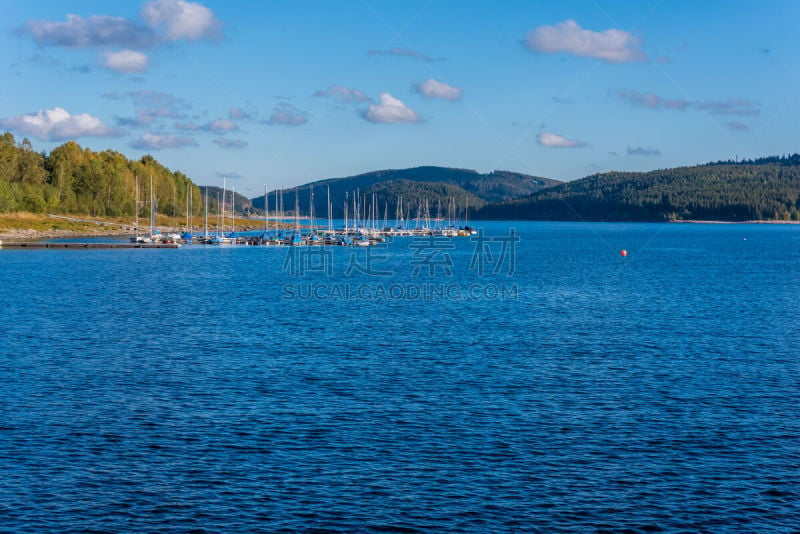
(435,89)
(231,175)
(557,141)
(165,104)
(231,143)
(342,94)
(152,106)
(287,115)
(390,110)
(51,63)
(159,142)
(642,151)
(238,113)
(221,126)
(635,98)
(612,46)
(182,20)
(57,125)
(652,100)
(730,106)
(165,20)
(125,61)
(217,126)
(143,118)
(94,31)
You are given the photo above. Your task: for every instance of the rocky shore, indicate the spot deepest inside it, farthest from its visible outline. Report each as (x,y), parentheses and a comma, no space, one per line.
(33,235)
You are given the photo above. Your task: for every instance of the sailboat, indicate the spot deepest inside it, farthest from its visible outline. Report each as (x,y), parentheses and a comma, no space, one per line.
(187,235)
(313,238)
(174,236)
(155,236)
(297,238)
(136,238)
(206,239)
(219,238)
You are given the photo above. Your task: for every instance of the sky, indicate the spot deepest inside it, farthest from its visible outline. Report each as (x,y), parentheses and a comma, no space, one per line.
(286,92)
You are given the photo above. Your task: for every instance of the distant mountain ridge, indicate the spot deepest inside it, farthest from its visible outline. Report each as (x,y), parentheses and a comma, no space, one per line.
(76,180)
(761,189)
(242,203)
(440,187)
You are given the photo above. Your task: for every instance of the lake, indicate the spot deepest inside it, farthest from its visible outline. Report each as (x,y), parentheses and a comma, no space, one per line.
(527,380)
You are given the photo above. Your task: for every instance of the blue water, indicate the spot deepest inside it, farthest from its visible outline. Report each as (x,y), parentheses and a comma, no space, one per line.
(208,389)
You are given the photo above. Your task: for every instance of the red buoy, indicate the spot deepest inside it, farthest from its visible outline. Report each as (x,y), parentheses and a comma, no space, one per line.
(623,253)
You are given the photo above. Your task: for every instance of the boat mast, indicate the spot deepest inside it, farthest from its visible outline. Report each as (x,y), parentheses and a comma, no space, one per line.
(401,222)
(355,211)
(450,211)
(296,212)
(427,215)
(330,220)
(137,207)
(153,201)
(224,188)
(374,212)
(311,209)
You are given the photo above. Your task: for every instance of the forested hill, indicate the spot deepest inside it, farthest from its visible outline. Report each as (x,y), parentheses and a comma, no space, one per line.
(242,203)
(438,186)
(75,180)
(762,189)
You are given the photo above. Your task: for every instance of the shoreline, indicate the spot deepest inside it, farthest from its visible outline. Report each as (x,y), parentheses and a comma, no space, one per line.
(26,234)
(697,221)
(25,226)
(30,234)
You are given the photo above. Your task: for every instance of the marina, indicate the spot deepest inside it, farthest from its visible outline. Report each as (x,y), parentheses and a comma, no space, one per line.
(360,227)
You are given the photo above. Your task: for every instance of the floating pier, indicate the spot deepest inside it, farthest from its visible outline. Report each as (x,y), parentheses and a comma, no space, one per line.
(44,244)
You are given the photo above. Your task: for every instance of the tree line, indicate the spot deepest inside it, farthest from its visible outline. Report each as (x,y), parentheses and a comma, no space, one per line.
(74,180)
(764,189)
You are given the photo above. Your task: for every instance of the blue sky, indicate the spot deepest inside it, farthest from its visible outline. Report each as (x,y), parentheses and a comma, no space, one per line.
(282,93)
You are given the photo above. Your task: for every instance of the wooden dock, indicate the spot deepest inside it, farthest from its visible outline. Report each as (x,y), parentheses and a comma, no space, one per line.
(44,244)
